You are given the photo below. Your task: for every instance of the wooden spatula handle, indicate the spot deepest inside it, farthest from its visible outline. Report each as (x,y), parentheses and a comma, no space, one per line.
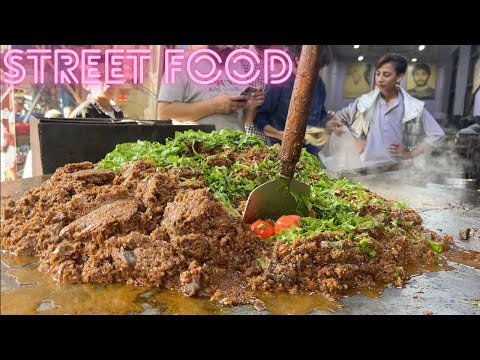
(297,118)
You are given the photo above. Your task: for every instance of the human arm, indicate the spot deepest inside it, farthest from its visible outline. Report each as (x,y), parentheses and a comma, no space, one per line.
(400,151)
(434,134)
(265,111)
(256,99)
(175,101)
(341,118)
(183,111)
(335,125)
(269,130)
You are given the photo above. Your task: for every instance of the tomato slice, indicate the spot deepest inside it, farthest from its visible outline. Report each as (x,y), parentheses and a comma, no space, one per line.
(262,228)
(286,222)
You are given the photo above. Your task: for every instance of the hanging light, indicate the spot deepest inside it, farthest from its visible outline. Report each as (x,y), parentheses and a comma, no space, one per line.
(414,60)
(421,47)
(356,46)
(360,58)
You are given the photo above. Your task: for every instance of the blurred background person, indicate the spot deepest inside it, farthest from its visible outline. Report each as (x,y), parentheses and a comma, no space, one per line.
(272,115)
(67,110)
(99,104)
(251,128)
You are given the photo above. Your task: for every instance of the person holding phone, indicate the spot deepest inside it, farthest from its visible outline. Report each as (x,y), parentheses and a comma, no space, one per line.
(272,115)
(218,103)
(252,127)
(248,91)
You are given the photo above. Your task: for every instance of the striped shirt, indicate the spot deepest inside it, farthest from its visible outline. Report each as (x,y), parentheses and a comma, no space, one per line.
(252,129)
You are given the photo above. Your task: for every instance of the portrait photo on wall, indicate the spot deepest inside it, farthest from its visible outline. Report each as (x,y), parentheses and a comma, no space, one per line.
(421,78)
(358,80)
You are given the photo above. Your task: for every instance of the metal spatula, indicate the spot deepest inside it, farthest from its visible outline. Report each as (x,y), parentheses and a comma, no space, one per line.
(277,197)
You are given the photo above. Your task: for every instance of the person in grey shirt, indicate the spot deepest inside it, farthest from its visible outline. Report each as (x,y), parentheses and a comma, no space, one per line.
(186,102)
(388,124)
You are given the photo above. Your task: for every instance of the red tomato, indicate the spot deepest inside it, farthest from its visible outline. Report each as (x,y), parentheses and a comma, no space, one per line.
(262,228)
(286,222)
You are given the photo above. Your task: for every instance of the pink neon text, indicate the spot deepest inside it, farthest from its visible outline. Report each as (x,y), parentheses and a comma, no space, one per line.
(71,67)
(278,66)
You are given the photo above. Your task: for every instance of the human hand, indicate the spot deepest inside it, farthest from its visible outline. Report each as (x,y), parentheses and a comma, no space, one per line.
(256,99)
(280,135)
(398,150)
(227,103)
(336,126)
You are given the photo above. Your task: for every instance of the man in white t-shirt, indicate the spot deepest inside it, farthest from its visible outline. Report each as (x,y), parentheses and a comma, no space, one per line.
(218,103)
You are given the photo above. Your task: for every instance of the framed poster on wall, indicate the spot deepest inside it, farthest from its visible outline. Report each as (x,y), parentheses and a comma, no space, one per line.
(421,78)
(358,80)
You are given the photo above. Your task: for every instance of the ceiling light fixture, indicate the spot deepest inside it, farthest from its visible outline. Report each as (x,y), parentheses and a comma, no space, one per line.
(414,60)
(356,46)
(421,47)
(360,58)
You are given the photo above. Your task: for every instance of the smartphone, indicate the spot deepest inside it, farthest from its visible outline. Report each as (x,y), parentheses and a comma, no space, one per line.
(248,91)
